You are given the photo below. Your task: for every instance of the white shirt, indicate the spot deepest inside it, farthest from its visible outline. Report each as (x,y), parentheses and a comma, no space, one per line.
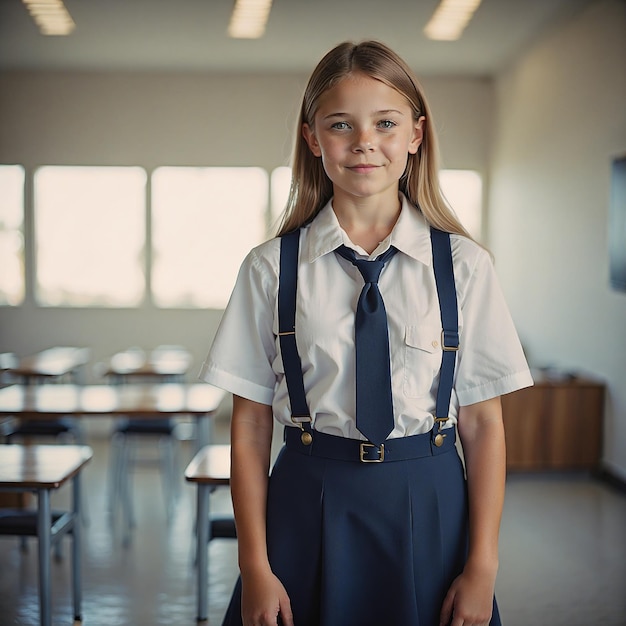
(245,356)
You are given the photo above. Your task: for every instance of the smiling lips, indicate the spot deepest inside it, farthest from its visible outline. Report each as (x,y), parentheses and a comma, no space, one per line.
(363,168)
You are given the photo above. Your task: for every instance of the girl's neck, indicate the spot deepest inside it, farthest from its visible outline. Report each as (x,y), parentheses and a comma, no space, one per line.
(367,221)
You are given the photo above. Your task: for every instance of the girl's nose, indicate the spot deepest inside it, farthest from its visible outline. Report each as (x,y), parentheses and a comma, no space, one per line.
(363,142)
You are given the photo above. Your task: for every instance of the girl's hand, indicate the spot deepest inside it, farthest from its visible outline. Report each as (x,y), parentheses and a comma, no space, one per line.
(263,598)
(469,601)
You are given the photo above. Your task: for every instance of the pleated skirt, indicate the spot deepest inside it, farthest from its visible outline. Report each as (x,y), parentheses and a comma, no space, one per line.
(365,544)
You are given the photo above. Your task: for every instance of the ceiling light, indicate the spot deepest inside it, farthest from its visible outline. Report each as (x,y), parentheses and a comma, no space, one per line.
(450,19)
(51,16)
(249,18)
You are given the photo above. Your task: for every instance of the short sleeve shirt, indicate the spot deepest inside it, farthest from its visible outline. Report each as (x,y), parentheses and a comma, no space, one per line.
(245,356)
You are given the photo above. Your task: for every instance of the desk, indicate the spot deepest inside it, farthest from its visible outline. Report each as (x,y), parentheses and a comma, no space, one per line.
(161,364)
(41,469)
(51,363)
(208,469)
(554,425)
(131,401)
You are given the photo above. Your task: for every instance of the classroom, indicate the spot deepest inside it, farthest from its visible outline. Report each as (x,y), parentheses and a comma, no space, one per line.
(121,145)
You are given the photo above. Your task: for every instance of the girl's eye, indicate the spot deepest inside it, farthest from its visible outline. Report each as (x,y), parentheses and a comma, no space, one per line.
(386,123)
(340,126)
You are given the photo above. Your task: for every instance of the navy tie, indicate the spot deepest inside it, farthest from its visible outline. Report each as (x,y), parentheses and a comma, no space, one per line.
(374,405)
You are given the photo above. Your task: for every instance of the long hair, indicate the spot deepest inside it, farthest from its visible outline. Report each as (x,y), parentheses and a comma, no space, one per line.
(311,188)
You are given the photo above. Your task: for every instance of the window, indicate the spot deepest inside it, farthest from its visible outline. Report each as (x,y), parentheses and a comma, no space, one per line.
(92,239)
(462,188)
(204,222)
(464,191)
(280,185)
(90,235)
(11,234)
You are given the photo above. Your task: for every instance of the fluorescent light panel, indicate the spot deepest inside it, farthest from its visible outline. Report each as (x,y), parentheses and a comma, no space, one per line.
(51,16)
(249,18)
(450,19)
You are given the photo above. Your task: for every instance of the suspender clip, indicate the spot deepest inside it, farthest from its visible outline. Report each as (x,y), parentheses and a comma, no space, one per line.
(450,340)
(441,421)
(299,420)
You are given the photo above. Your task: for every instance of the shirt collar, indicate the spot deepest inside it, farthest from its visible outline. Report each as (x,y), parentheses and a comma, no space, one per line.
(410,235)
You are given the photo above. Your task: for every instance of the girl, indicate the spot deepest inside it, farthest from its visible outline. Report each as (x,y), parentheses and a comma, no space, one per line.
(367,518)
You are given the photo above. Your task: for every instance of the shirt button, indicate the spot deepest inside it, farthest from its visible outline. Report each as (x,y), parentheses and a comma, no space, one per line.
(435,344)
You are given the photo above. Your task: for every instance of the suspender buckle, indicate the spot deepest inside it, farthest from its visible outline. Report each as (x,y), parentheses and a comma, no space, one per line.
(441,421)
(305,437)
(299,420)
(364,453)
(450,340)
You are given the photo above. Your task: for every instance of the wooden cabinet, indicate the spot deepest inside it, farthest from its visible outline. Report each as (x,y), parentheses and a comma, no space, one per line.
(555,425)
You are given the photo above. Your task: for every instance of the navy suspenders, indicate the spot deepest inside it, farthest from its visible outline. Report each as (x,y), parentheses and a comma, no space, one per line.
(446,291)
(287,287)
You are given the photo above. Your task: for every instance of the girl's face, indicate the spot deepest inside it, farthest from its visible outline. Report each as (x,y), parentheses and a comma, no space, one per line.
(364,132)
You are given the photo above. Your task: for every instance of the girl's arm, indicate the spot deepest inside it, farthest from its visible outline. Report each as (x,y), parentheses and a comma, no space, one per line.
(263,596)
(470,598)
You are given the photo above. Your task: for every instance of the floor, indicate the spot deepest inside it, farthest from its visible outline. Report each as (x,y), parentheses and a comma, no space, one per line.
(563,556)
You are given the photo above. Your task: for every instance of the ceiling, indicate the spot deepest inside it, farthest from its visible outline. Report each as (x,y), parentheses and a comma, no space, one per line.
(190,35)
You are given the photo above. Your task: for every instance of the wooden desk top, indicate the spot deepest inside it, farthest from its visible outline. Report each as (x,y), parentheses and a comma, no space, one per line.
(164,361)
(210,466)
(550,377)
(52,362)
(52,401)
(41,466)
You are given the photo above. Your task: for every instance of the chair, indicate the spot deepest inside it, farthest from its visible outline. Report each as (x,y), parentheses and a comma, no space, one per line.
(58,428)
(134,366)
(42,469)
(8,361)
(11,429)
(126,442)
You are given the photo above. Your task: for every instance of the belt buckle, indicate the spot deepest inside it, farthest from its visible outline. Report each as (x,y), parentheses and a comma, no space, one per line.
(379,449)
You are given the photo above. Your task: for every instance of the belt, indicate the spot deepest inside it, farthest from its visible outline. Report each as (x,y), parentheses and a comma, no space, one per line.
(343,449)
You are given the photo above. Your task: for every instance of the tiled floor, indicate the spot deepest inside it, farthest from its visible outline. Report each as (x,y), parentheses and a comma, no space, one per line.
(563,557)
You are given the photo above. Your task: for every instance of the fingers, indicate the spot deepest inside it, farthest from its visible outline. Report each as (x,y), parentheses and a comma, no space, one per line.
(285,620)
(446,609)
(264,601)
(282,617)
(286,616)
(457,620)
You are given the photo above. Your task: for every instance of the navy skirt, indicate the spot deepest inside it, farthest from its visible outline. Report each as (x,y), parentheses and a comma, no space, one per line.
(360,544)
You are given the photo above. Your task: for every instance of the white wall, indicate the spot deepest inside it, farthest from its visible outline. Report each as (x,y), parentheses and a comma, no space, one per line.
(153,119)
(561,119)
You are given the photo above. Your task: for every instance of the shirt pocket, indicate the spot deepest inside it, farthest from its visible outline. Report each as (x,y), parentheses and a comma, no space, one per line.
(422,359)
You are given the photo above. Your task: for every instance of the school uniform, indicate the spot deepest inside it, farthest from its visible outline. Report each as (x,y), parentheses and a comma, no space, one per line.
(359,543)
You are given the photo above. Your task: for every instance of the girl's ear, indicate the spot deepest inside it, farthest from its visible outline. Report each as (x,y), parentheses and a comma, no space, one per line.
(418,135)
(311,139)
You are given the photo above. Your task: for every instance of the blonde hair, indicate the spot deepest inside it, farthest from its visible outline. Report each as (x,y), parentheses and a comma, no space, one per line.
(311,189)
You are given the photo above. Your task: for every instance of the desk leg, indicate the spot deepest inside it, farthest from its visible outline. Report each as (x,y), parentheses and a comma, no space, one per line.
(76,547)
(44,523)
(202,550)
(203,431)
